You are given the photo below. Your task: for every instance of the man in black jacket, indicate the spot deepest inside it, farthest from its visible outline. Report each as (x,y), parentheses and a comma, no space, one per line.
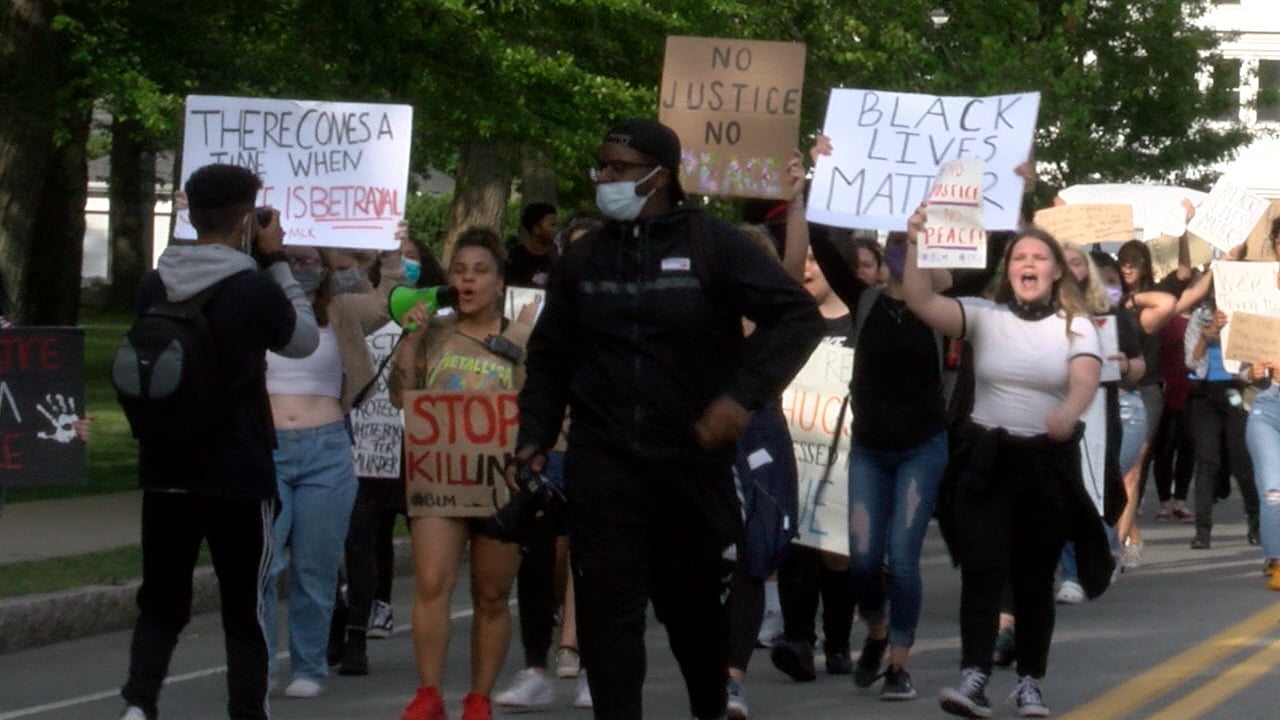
(221,486)
(641,337)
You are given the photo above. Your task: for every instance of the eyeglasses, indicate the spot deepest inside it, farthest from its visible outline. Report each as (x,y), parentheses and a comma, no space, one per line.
(616,168)
(1132,261)
(304,263)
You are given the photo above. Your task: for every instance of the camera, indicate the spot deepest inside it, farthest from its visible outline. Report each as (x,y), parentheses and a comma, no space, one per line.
(263,215)
(537,510)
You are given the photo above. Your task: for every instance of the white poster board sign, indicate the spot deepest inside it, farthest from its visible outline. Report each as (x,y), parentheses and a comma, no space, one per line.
(377,426)
(811,405)
(1157,209)
(1109,339)
(1093,448)
(519,297)
(1244,287)
(953,234)
(1228,216)
(888,147)
(337,172)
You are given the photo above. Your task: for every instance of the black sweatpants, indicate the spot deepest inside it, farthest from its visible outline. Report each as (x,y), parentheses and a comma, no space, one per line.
(746,612)
(1218,426)
(538,604)
(640,531)
(1173,456)
(802,579)
(370,556)
(239,535)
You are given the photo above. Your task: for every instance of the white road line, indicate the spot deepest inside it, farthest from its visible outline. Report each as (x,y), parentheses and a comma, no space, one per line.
(195,675)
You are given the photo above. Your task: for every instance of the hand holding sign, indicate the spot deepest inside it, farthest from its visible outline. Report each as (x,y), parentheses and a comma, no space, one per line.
(953,235)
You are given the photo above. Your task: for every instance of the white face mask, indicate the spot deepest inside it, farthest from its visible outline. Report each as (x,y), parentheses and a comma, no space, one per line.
(618,200)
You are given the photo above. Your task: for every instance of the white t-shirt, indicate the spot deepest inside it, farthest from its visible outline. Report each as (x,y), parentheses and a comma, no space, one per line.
(1020,366)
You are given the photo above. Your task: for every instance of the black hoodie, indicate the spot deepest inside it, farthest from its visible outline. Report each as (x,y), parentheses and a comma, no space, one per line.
(637,347)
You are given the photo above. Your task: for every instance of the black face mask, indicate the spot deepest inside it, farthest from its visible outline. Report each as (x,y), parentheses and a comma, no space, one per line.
(1033,311)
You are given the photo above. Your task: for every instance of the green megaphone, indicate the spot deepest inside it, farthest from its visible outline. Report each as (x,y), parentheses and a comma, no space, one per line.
(403,298)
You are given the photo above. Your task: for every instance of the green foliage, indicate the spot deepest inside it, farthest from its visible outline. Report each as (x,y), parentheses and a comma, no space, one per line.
(428,217)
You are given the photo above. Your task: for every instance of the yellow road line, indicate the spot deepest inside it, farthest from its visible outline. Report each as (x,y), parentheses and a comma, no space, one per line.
(1122,700)
(1216,691)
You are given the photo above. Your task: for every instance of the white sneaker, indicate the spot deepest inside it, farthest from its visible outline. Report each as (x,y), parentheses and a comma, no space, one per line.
(380,621)
(568,663)
(529,689)
(770,629)
(133,712)
(1071,593)
(582,698)
(304,688)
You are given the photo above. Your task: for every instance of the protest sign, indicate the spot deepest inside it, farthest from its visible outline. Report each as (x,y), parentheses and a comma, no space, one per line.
(1110,345)
(1157,209)
(735,104)
(41,399)
(953,233)
(1087,224)
(377,426)
(1093,448)
(1259,241)
(519,297)
(1228,215)
(456,445)
(1164,253)
(337,172)
(1248,287)
(1254,338)
(888,147)
(811,405)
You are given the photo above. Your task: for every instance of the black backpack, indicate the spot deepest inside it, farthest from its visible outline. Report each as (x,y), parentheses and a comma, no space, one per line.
(165,371)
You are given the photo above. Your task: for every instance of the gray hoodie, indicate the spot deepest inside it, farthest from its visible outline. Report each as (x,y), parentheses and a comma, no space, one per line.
(186,270)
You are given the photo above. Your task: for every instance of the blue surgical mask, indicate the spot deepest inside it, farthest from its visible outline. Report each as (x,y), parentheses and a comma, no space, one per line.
(1115,294)
(618,200)
(412,270)
(350,280)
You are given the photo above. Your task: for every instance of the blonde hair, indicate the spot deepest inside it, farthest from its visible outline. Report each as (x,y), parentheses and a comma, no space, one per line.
(1094,292)
(760,236)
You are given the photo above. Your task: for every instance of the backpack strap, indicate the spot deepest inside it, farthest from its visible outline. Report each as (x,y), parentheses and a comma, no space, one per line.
(866,301)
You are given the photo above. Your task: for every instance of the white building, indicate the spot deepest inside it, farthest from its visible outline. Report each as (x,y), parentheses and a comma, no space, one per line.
(1254,53)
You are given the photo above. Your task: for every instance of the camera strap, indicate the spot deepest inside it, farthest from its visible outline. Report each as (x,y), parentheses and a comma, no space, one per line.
(364,391)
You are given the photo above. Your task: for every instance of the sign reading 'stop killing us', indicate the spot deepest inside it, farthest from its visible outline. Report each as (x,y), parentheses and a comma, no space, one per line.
(337,172)
(41,400)
(887,148)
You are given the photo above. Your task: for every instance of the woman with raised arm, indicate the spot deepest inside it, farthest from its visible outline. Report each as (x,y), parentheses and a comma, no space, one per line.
(1015,492)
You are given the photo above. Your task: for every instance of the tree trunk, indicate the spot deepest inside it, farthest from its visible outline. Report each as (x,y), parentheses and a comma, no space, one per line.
(537,176)
(131,223)
(482,190)
(28,83)
(57,251)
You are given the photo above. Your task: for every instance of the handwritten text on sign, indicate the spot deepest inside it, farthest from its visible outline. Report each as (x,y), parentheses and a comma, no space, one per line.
(953,233)
(456,446)
(41,399)
(376,424)
(1244,287)
(888,147)
(735,104)
(1229,214)
(1254,338)
(811,405)
(1087,224)
(337,172)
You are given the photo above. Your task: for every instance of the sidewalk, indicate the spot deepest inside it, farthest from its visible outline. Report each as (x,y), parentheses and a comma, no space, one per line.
(77,526)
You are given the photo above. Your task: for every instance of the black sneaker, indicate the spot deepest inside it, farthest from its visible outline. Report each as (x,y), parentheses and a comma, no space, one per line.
(897,685)
(839,663)
(1201,542)
(794,658)
(969,700)
(1029,697)
(1006,648)
(355,659)
(867,671)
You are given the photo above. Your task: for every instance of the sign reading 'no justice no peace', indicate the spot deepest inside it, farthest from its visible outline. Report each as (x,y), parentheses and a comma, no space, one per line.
(735,104)
(337,172)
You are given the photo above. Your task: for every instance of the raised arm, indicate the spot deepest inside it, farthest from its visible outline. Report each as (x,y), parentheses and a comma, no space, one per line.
(797,245)
(1154,310)
(939,312)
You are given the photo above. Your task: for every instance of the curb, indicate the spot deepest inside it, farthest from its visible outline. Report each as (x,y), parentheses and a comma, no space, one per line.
(38,620)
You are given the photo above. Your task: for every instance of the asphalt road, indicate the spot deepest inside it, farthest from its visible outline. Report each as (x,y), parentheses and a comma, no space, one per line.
(1191,634)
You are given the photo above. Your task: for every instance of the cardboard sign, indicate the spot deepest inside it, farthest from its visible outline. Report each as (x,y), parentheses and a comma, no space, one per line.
(1254,338)
(1157,209)
(888,147)
(377,426)
(1229,214)
(736,106)
(41,398)
(953,234)
(1088,224)
(1244,287)
(1164,253)
(337,172)
(456,445)
(811,405)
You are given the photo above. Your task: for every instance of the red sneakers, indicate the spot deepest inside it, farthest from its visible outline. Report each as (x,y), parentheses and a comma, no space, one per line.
(476,707)
(426,705)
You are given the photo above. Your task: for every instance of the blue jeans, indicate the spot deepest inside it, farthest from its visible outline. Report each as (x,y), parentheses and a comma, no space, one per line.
(1133,422)
(316,479)
(1263,437)
(891,498)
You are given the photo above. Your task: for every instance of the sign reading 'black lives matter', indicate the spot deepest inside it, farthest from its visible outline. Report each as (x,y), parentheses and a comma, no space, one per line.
(41,400)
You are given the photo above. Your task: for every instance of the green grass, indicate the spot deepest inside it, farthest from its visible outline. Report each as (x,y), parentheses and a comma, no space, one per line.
(109,567)
(112,454)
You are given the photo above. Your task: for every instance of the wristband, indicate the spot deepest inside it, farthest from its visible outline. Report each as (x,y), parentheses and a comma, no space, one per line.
(268,259)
